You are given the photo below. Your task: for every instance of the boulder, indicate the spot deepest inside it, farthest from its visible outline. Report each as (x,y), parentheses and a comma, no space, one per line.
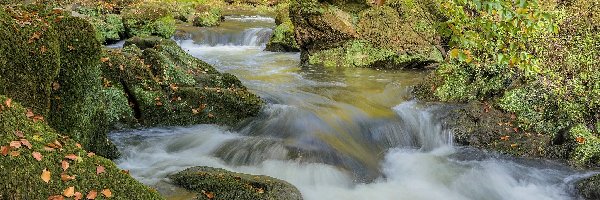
(283,39)
(589,188)
(38,163)
(148,19)
(215,183)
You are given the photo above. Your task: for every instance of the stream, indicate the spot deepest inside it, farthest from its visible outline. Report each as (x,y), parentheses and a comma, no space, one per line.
(347,134)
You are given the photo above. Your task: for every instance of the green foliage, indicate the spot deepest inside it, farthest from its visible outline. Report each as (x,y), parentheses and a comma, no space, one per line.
(22,173)
(587,151)
(212,17)
(147,19)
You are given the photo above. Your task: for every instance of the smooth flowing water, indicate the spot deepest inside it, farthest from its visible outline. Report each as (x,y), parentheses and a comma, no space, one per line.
(333,133)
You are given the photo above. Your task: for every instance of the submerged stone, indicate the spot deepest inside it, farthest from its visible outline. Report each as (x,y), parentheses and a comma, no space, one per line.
(220,184)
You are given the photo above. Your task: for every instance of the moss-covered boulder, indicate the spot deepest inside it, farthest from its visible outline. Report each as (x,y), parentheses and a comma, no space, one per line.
(206,17)
(150,18)
(108,25)
(50,64)
(214,183)
(589,188)
(164,85)
(283,39)
(37,163)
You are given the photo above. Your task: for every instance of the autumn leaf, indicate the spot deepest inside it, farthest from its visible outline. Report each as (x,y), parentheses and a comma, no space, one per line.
(15,153)
(4,150)
(19,134)
(56,197)
(15,144)
(55,86)
(90,154)
(92,194)
(34,37)
(99,169)
(8,102)
(505,138)
(26,143)
(38,118)
(48,149)
(29,113)
(173,87)
(107,193)
(72,157)
(580,140)
(209,195)
(37,155)
(65,165)
(260,190)
(104,59)
(45,175)
(69,192)
(43,49)
(64,177)
(78,195)
(210,115)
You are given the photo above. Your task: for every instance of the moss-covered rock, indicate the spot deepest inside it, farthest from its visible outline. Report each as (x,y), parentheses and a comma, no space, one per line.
(214,183)
(109,26)
(589,188)
(283,39)
(166,86)
(62,158)
(52,67)
(151,18)
(208,17)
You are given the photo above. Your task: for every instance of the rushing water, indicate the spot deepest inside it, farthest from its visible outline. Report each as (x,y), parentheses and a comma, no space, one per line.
(335,134)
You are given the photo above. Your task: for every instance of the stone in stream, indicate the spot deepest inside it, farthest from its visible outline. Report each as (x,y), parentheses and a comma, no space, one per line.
(589,188)
(283,35)
(220,184)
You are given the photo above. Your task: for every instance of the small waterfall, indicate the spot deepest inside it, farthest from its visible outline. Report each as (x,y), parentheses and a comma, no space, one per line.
(422,130)
(248,37)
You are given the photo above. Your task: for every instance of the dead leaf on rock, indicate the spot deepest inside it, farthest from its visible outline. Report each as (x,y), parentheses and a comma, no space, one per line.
(45,175)
(4,150)
(26,143)
(100,169)
(65,165)
(19,134)
(580,140)
(15,153)
(56,197)
(78,196)
(107,193)
(72,157)
(104,59)
(64,177)
(29,113)
(8,102)
(15,144)
(90,154)
(37,155)
(92,194)
(69,192)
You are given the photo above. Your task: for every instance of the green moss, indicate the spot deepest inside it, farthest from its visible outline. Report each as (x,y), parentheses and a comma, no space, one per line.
(24,172)
(149,19)
(108,28)
(587,152)
(283,39)
(213,183)
(212,17)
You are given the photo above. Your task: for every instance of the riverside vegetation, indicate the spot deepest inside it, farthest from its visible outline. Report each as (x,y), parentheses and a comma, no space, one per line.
(524,76)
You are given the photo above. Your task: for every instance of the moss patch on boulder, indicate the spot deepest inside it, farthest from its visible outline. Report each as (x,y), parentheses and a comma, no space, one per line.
(283,39)
(589,188)
(214,183)
(152,18)
(62,158)
(166,86)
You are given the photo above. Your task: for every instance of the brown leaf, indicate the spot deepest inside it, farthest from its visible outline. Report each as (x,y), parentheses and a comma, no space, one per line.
(580,140)
(29,113)
(125,171)
(46,175)
(104,59)
(58,144)
(173,87)
(15,153)
(208,195)
(69,192)
(38,118)
(37,155)
(26,143)
(65,165)
(210,115)
(8,102)
(91,154)
(92,194)
(71,157)
(64,177)
(99,169)
(34,37)
(4,150)
(56,197)
(48,149)
(107,193)
(15,144)
(78,145)
(78,195)
(43,49)
(505,138)
(55,86)
(158,103)
(19,134)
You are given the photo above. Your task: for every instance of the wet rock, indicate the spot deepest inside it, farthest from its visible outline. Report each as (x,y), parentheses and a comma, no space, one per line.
(166,86)
(23,173)
(589,188)
(283,36)
(215,183)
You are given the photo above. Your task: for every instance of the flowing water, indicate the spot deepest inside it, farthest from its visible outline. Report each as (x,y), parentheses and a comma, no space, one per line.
(334,134)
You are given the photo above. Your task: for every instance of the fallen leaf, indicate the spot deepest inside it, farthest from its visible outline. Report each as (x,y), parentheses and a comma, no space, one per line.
(505,138)
(4,150)
(72,157)
(78,145)
(104,59)
(46,175)
(38,118)
(210,115)
(99,169)
(15,144)
(48,149)
(516,129)
(19,134)
(173,87)
(55,86)
(91,154)
(56,197)
(26,143)
(8,102)
(64,177)
(29,113)
(43,49)
(65,165)
(580,140)
(195,111)
(15,153)
(158,103)
(209,195)
(125,171)
(37,155)
(78,195)
(92,194)
(260,190)
(107,193)
(69,192)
